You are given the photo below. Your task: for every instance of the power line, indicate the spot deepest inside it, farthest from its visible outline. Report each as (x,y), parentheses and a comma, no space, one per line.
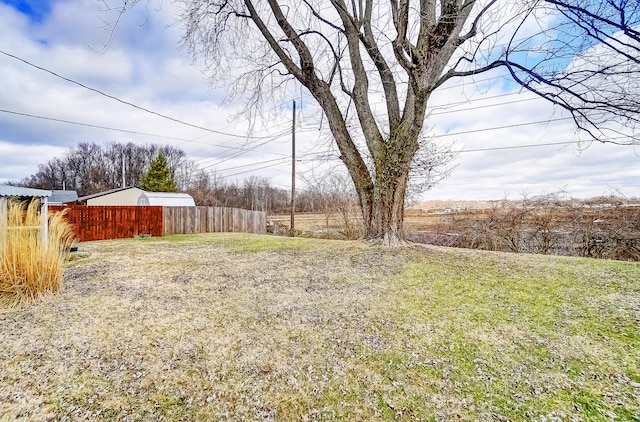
(244,151)
(164,116)
(438,113)
(274,107)
(54,119)
(259,168)
(465,132)
(510,94)
(447,106)
(328,155)
(251,164)
(135,106)
(90,125)
(515,147)
(539,145)
(215,131)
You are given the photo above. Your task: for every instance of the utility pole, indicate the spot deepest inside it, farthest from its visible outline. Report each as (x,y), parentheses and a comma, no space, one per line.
(293,170)
(123,180)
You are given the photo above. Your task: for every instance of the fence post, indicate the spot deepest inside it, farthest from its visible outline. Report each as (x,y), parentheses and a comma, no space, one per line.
(167,221)
(44,216)
(3,222)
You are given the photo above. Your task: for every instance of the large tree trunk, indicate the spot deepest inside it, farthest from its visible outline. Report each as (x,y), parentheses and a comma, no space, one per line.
(387,211)
(381,191)
(348,53)
(383,213)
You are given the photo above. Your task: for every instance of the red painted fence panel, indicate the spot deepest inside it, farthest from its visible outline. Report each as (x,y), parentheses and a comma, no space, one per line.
(112,222)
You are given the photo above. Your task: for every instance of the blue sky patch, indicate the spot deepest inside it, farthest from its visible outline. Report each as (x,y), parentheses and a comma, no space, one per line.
(36,10)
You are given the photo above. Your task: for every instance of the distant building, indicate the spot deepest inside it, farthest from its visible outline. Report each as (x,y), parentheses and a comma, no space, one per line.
(166,199)
(61,197)
(120,196)
(133,196)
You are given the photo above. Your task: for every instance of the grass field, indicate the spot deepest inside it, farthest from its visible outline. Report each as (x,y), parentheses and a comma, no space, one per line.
(248,327)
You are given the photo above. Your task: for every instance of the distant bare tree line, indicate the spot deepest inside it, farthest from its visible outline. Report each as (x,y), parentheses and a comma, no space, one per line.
(604,227)
(90,168)
(253,193)
(333,194)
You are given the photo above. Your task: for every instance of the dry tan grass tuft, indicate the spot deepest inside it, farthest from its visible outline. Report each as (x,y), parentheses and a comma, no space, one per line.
(28,268)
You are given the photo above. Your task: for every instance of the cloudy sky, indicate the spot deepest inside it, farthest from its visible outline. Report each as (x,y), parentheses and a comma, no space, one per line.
(510,143)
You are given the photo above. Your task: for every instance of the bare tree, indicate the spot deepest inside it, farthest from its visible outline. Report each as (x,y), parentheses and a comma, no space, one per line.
(255,193)
(372,67)
(201,189)
(333,195)
(89,167)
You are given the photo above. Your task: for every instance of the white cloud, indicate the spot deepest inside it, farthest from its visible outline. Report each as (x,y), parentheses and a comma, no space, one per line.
(143,65)
(12,157)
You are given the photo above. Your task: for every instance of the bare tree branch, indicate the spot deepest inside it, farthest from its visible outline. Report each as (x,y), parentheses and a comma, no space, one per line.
(582,56)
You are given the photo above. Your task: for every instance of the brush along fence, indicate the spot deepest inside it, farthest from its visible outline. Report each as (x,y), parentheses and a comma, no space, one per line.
(117,222)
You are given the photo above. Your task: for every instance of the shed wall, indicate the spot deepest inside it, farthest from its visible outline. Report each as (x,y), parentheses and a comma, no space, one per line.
(128,197)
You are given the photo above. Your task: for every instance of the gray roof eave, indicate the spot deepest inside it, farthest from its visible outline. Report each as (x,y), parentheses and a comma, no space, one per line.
(6,190)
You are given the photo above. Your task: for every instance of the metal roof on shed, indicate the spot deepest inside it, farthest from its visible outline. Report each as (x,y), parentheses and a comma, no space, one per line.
(107,192)
(62,196)
(6,190)
(166,199)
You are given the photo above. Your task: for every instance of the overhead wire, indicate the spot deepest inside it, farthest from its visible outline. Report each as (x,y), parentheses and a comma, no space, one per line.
(212,131)
(215,131)
(89,125)
(54,119)
(249,171)
(466,132)
(243,150)
(97,91)
(274,107)
(283,159)
(237,154)
(462,151)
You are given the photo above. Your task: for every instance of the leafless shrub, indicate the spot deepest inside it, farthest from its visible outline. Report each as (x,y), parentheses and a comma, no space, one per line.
(610,229)
(551,224)
(335,198)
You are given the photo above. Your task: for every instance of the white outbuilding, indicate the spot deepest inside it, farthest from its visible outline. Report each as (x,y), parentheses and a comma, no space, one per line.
(133,196)
(121,196)
(166,199)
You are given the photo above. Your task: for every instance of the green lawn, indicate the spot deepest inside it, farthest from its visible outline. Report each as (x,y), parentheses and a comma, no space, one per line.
(231,327)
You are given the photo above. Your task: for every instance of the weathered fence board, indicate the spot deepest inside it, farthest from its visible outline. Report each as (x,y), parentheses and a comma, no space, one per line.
(192,220)
(112,222)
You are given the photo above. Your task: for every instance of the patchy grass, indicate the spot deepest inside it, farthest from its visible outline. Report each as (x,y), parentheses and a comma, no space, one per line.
(224,326)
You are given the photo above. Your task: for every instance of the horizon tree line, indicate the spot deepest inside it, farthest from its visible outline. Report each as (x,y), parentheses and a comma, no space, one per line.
(90,168)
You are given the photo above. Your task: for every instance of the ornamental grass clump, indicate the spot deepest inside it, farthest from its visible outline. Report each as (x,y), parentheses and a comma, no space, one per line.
(29,267)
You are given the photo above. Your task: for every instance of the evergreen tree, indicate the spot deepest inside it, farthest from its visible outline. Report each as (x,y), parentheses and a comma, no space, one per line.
(159,178)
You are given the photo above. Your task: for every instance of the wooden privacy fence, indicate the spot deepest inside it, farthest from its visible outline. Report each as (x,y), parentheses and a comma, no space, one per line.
(112,222)
(192,220)
(117,222)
